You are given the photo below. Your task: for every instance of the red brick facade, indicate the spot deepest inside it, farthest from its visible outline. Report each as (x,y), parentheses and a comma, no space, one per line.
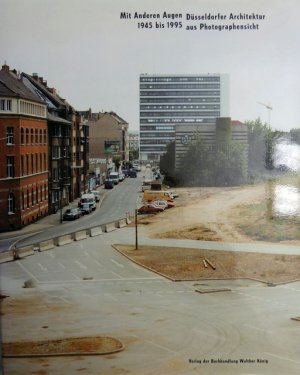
(23,170)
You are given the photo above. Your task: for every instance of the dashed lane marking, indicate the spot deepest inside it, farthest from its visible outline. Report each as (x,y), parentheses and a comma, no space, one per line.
(116,263)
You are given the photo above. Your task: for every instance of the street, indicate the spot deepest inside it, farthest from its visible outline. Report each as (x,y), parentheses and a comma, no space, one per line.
(88,288)
(119,201)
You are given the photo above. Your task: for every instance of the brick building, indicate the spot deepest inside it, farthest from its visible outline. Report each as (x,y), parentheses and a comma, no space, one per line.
(24,153)
(68,145)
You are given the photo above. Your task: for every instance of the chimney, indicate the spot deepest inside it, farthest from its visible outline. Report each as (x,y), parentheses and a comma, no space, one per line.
(5,68)
(35,76)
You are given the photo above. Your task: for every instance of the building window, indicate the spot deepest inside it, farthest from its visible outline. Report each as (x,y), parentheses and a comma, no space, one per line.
(9,135)
(36,136)
(10,162)
(27,136)
(11,203)
(31,136)
(5,105)
(45,137)
(22,136)
(28,198)
(41,136)
(23,201)
(22,165)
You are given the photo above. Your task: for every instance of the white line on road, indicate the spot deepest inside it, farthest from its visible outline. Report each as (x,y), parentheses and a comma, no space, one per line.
(280,357)
(76,277)
(99,264)
(61,265)
(42,267)
(80,265)
(25,270)
(116,263)
(120,277)
(87,254)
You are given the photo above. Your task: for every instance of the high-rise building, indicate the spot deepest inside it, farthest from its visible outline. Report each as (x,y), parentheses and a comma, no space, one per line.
(170,100)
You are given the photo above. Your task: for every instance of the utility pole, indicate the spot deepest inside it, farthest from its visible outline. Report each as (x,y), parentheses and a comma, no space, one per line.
(269,109)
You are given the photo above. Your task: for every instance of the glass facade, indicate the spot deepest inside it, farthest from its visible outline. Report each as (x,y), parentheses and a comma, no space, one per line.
(169,100)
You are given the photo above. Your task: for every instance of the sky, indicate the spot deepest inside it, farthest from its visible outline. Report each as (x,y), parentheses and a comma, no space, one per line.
(94,58)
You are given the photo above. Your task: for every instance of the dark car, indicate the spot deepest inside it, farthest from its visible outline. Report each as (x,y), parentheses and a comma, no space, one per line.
(109,184)
(86,208)
(150,208)
(72,214)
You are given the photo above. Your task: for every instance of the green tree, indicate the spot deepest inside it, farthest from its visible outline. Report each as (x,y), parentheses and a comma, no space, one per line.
(260,146)
(295,135)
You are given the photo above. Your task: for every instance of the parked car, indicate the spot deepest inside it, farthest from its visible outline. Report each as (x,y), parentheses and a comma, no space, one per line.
(85,208)
(88,198)
(121,176)
(163,203)
(72,214)
(96,194)
(132,173)
(150,208)
(108,184)
(174,194)
(114,176)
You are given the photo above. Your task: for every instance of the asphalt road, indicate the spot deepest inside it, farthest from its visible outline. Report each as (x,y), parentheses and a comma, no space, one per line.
(119,201)
(90,289)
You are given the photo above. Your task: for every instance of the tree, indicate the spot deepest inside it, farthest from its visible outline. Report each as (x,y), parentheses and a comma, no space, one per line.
(260,146)
(295,135)
(167,164)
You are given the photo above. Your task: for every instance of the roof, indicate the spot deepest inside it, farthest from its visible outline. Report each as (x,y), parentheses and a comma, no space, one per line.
(98,116)
(236,122)
(47,91)
(12,86)
(54,118)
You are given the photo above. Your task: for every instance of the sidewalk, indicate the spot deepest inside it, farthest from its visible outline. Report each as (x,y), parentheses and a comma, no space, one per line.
(47,221)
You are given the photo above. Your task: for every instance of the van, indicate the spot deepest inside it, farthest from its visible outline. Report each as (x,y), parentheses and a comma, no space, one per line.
(88,198)
(114,176)
(151,195)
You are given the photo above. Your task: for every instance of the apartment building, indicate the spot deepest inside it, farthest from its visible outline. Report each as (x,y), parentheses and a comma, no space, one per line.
(68,144)
(170,100)
(24,153)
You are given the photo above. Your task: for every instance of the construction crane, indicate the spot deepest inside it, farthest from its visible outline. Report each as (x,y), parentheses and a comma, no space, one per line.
(269,108)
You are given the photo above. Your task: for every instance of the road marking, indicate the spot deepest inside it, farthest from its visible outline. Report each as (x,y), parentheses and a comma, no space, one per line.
(61,265)
(280,357)
(120,277)
(76,277)
(99,264)
(116,263)
(87,254)
(25,270)
(161,347)
(80,265)
(42,267)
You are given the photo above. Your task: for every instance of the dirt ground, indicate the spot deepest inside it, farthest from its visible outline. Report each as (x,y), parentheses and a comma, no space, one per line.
(213,214)
(217,214)
(187,264)
(71,346)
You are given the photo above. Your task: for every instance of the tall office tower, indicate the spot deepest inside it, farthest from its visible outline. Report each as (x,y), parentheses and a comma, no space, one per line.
(170,100)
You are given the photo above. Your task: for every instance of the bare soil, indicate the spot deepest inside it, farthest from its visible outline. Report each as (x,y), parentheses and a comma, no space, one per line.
(232,214)
(187,264)
(69,346)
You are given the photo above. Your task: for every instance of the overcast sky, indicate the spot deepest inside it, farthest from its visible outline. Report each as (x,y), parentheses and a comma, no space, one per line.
(94,58)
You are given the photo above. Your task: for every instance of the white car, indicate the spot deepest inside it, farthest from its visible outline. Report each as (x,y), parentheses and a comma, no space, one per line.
(96,194)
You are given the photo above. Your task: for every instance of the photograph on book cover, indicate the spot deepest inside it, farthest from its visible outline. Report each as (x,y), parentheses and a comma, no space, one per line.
(168,132)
